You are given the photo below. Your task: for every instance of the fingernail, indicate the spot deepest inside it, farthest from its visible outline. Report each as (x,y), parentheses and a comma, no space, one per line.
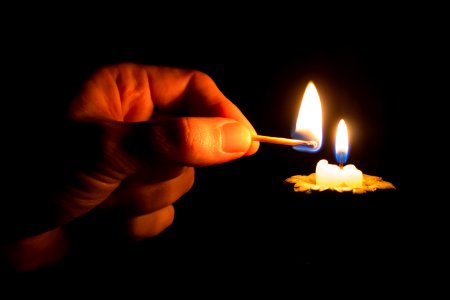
(235,138)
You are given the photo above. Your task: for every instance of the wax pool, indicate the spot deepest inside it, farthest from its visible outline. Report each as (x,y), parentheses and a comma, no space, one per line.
(333,176)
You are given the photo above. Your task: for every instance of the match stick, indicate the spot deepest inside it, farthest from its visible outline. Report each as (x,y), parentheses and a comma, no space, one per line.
(283,141)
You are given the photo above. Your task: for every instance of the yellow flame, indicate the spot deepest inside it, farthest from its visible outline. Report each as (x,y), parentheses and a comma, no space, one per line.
(342,138)
(309,120)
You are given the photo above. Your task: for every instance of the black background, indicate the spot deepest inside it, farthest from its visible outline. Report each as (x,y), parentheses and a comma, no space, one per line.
(375,72)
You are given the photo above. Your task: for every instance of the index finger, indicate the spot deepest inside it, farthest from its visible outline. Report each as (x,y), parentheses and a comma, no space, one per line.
(189,92)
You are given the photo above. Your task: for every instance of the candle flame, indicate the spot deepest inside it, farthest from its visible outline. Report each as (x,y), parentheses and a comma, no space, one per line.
(341,146)
(309,120)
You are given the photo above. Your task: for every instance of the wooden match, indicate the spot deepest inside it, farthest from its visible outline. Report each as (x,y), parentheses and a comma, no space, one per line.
(283,141)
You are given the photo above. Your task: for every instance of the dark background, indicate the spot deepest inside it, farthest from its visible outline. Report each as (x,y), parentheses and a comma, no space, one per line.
(375,72)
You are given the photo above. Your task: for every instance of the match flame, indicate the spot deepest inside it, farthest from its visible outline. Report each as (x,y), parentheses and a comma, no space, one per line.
(309,120)
(341,146)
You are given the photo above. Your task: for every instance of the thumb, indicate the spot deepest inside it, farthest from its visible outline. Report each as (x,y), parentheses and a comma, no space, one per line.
(192,141)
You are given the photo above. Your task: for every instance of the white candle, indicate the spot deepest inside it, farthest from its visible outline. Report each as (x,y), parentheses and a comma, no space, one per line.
(339,176)
(333,176)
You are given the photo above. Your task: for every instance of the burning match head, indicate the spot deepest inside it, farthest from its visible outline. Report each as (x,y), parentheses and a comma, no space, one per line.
(311,144)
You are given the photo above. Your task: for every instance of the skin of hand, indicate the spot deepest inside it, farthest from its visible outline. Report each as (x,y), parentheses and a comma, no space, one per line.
(134,135)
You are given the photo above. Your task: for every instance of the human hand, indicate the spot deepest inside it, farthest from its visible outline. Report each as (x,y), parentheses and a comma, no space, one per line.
(134,136)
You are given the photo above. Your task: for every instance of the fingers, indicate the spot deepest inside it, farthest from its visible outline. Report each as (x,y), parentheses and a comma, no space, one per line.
(103,154)
(130,92)
(152,224)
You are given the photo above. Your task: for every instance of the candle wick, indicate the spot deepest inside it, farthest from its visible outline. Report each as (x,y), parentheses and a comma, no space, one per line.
(341,160)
